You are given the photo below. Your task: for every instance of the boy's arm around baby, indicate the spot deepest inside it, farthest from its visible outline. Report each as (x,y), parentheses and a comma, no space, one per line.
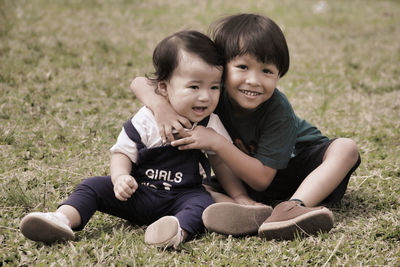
(249,169)
(166,117)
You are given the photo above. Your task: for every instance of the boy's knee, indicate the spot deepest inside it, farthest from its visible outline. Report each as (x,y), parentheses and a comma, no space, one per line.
(343,148)
(349,149)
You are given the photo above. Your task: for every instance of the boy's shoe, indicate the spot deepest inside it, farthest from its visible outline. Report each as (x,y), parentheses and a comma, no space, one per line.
(289,219)
(47,227)
(165,232)
(235,219)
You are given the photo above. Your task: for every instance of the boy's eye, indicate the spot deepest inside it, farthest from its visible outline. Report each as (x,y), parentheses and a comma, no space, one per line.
(268,71)
(241,66)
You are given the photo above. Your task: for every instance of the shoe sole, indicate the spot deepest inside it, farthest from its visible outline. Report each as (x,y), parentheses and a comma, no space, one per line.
(235,219)
(162,231)
(307,224)
(41,229)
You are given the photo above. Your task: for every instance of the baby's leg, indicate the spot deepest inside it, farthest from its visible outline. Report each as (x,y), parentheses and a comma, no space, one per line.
(165,232)
(72,215)
(92,194)
(189,208)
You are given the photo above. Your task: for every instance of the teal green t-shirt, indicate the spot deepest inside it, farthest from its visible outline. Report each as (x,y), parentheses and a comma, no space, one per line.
(272,133)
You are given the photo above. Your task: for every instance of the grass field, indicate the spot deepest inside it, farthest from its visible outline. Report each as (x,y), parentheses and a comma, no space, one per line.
(65,69)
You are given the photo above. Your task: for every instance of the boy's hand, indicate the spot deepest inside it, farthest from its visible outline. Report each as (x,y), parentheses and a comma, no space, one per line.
(124,187)
(170,123)
(166,117)
(198,138)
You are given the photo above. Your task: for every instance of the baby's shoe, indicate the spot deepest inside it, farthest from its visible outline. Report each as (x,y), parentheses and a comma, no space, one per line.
(235,219)
(47,227)
(165,232)
(290,219)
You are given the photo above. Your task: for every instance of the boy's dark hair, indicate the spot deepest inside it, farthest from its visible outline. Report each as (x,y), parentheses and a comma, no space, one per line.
(166,54)
(254,34)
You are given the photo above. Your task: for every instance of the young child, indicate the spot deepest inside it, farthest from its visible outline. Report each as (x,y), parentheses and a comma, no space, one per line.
(151,182)
(277,155)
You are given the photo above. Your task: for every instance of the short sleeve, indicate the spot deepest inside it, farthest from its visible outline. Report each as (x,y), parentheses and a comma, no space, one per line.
(125,146)
(277,141)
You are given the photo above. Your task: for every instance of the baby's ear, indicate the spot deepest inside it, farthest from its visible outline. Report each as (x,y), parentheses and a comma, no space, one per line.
(162,88)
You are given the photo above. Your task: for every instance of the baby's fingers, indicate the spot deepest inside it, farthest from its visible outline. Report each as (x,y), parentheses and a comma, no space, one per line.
(121,195)
(132,185)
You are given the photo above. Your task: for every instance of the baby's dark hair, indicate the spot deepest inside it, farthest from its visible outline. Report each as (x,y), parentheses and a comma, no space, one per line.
(166,55)
(253,34)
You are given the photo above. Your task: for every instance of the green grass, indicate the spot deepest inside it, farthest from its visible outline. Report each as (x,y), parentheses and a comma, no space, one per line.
(65,69)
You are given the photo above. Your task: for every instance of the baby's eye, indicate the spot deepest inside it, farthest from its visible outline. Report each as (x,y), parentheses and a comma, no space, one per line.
(215,87)
(193,87)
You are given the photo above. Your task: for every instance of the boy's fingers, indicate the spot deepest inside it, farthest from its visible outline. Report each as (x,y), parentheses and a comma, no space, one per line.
(182,133)
(161,131)
(179,142)
(168,133)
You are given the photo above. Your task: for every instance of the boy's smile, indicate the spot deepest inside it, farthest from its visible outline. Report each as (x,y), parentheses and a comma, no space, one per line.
(249,82)
(249,93)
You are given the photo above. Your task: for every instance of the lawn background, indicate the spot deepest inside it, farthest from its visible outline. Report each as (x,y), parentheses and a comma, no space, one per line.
(65,69)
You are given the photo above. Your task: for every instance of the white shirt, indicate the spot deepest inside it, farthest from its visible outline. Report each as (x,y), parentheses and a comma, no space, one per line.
(146,125)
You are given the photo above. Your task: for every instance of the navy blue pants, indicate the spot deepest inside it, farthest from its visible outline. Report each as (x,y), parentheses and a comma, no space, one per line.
(145,206)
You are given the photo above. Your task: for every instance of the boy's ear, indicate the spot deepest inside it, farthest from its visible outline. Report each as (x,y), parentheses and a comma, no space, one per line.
(162,88)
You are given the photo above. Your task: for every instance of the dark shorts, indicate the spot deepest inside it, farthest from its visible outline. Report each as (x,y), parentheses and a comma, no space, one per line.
(287,181)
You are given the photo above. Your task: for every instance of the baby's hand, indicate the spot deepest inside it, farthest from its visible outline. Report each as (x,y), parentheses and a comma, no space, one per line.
(124,187)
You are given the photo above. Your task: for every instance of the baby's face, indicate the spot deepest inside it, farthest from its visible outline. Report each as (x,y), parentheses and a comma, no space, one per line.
(249,82)
(194,87)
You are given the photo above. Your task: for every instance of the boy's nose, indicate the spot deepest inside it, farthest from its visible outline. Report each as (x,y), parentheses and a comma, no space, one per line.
(252,79)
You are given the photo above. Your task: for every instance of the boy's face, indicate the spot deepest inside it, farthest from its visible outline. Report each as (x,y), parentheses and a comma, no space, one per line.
(194,87)
(249,82)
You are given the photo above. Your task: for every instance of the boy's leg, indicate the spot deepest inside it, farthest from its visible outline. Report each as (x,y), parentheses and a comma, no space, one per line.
(340,157)
(229,218)
(235,219)
(328,181)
